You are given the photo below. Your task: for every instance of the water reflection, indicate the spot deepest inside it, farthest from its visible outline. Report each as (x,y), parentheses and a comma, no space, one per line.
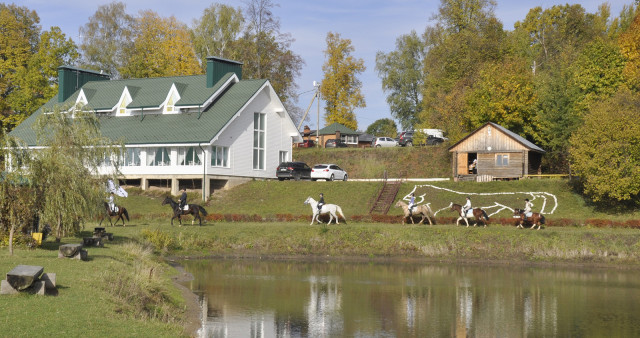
(295,299)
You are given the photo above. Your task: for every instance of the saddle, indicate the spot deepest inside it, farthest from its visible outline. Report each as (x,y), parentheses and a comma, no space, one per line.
(469,214)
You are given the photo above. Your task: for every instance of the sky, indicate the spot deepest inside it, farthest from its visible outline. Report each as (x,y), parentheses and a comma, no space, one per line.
(371,25)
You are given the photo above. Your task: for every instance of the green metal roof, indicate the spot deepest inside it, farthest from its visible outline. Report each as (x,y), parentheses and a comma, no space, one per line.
(334,127)
(158,128)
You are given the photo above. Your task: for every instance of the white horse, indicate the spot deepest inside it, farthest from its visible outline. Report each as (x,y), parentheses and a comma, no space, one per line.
(330,209)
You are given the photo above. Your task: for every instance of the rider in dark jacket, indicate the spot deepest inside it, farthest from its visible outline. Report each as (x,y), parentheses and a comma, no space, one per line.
(183,199)
(321,201)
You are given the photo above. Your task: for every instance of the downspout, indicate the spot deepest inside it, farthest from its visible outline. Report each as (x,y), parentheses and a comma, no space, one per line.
(142,114)
(204,170)
(199,114)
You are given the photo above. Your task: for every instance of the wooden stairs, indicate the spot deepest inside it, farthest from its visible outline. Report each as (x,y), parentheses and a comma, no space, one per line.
(386,195)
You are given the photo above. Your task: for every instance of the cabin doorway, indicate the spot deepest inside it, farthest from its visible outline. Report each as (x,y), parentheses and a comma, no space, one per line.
(472,163)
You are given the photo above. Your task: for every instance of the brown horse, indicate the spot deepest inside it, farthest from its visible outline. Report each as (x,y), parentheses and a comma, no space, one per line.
(479,214)
(424,210)
(193,210)
(535,220)
(120,212)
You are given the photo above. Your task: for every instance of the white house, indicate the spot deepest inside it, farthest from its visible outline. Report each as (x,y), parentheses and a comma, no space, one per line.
(201,132)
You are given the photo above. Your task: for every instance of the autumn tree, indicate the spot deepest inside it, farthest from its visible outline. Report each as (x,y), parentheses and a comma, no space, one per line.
(162,47)
(266,52)
(340,87)
(107,39)
(629,43)
(18,42)
(215,31)
(383,127)
(402,77)
(64,172)
(605,150)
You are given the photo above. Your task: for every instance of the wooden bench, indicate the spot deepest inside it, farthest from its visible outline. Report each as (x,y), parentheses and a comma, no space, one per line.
(28,278)
(101,232)
(73,251)
(92,241)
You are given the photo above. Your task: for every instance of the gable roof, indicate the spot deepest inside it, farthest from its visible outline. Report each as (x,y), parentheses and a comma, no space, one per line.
(159,128)
(335,127)
(530,146)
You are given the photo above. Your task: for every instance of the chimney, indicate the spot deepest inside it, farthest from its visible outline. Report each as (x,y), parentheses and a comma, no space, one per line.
(218,67)
(71,79)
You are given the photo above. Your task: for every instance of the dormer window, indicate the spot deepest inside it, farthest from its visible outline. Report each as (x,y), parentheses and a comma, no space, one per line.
(123,107)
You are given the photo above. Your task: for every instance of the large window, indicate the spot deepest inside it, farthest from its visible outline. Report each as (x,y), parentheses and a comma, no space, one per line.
(349,139)
(189,156)
(158,157)
(259,140)
(220,156)
(131,157)
(502,160)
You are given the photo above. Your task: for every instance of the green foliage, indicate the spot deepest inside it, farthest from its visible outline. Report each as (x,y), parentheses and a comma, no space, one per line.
(629,43)
(383,127)
(160,240)
(214,33)
(107,39)
(64,171)
(605,151)
(340,86)
(402,77)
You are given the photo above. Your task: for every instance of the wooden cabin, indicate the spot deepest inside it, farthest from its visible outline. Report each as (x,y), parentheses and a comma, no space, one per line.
(498,153)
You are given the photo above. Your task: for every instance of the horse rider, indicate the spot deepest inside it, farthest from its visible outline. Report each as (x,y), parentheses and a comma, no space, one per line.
(412,203)
(321,202)
(112,205)
(466,207)
(183,199)
(527,208)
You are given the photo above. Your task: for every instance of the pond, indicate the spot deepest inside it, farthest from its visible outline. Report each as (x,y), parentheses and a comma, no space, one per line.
(266,298)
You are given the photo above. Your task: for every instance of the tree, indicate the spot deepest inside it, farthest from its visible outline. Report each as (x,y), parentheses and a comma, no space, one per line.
(213,34)
(107,39)
(266,52)
(605,150)
(162,47)
(503,93)
(64,172)
(18,42)
(629,43)
(383,127)
(38,81)
(340,87)
(402,77)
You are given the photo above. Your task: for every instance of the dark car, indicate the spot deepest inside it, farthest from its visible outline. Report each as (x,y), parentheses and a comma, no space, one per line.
(333,143)
(306,144)
(406,139)
(295,170)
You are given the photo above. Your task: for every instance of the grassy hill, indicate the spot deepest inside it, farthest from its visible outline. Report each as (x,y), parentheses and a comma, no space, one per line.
(554,197)
(432,161)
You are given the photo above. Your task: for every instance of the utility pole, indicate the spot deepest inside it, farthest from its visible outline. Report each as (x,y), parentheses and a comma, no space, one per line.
(315,95)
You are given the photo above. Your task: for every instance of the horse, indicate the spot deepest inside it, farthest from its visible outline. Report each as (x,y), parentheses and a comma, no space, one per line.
(479,214)
(330,209)
(535,220)
(193,210)
(120,211)
(424,210)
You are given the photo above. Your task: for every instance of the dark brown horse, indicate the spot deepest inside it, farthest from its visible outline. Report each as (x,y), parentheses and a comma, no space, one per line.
(479,214)
(535,220)
(121,213)
(193,210)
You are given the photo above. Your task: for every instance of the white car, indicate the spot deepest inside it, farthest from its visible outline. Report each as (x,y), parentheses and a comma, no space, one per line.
(328,172)
(383,142)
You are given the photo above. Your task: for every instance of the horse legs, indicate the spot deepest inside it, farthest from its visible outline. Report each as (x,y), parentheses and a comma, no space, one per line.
(336,216)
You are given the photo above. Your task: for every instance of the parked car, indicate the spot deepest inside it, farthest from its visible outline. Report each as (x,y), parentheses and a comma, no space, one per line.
(328,172)
(306,144)
(406,139)
(333,143)
(295,170)
(378,142)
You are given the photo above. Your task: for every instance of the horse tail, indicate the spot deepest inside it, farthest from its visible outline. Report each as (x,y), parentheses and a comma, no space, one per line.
(126,213)
(339,210)
(202,210)
(542,220)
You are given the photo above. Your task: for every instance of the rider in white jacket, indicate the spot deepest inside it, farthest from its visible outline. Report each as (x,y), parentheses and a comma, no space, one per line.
(466,207)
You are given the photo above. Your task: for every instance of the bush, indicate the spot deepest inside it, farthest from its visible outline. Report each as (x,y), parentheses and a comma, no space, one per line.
(160,240)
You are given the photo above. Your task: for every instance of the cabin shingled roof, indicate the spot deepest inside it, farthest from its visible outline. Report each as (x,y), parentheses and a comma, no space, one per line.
(509,133)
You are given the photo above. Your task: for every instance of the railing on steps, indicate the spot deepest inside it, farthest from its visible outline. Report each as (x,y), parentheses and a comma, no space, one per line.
(385,196)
